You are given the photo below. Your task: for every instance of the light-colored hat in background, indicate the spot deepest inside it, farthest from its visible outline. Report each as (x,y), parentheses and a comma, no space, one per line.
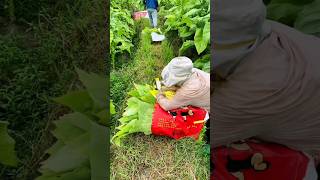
(178,70)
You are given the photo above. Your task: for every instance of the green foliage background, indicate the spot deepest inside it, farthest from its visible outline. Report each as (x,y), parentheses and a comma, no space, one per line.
(190,21)
(40,44)
(303,15)
(81,149)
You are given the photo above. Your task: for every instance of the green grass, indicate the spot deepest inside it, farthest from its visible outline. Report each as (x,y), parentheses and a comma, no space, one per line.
(26,85)
(150,157)
(147,64)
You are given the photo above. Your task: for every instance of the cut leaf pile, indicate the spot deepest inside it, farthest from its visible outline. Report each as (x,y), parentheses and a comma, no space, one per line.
(137,116)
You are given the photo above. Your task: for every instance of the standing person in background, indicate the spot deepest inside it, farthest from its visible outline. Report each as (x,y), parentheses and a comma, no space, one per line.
(152,6)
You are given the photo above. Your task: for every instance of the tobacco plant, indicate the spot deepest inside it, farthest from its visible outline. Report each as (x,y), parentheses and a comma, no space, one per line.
(81,149)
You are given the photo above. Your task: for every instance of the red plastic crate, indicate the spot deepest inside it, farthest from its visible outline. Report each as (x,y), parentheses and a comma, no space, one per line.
(140,14)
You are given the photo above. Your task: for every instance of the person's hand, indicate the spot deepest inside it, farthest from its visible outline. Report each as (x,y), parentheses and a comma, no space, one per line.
(160,93)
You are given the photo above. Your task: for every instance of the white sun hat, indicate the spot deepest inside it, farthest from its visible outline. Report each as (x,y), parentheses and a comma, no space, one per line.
(177,71)
(239,27)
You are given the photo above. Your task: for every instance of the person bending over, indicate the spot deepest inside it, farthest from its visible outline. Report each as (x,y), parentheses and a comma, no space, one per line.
(192,85)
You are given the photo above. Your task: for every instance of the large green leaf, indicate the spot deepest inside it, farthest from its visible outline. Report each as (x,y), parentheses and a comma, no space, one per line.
(7,144)
(188,21)
(283,12)
(206,32)
(134,93)
(171,22)
(71,156)
(145,117)
(125,46)
(77,101)
(137,116)
(112,108)
(132,106)
(298,2)
(98,151)
(192,12)
(81,142)
(185,32)
(47,177)
(81,173)
(206,67)
(308,21)
(66,131)
(202,38)
(78,120)
(102,115)
(144,93)
(126,119)
(55,147)
(185,46)
(77,137)
(95,85)
(199,63)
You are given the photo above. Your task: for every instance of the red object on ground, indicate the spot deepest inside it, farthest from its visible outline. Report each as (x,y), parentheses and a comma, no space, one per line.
(165,124)
(283,163)
(139,15)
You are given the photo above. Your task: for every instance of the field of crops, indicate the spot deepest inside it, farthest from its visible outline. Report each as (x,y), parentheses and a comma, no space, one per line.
(135,154)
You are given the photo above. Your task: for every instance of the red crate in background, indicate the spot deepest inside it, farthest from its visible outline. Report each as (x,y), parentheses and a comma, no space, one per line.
(140,14)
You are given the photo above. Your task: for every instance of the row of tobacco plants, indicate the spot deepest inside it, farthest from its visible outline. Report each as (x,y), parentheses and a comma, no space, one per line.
(122,29)
(190,20)
(302,15)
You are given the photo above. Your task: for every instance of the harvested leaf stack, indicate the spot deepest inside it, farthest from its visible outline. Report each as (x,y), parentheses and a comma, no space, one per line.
(144,115)
(138,114)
